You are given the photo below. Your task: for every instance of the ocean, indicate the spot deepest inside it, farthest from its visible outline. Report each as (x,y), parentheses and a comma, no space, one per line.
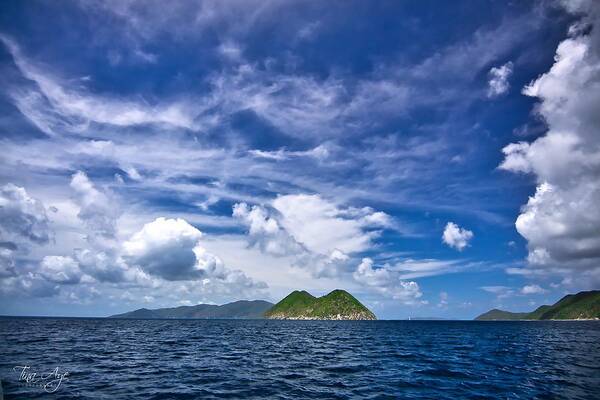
(266,359)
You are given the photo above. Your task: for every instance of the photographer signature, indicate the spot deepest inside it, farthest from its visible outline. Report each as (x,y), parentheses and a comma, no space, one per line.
(50,381)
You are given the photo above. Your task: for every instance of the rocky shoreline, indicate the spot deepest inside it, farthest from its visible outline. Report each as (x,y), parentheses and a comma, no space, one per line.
(337,317)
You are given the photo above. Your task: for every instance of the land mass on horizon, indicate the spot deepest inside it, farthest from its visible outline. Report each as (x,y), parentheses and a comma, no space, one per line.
(337,305)
(580,306)
(243,309)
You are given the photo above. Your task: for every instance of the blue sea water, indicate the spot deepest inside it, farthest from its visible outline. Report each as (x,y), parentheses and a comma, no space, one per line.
(256,359)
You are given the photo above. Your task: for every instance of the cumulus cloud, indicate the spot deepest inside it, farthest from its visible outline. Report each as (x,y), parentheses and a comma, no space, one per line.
(293,224)
(299,104)
(60,269)
(7,262)
(456,237)
(170,249)
(265,232)
(163,253)
(97,210)
(386,282)
(532,289)
(323,227)
(560,221)
(498,79)
(29,285)
(104,265)
(320,235)
(165,248)
(22,216)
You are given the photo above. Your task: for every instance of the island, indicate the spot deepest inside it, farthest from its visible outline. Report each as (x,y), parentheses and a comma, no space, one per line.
(580,306)
(242,309)
(337,305)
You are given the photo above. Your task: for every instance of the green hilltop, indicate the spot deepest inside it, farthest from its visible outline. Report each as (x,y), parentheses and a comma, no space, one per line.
(338,305)
(583,305)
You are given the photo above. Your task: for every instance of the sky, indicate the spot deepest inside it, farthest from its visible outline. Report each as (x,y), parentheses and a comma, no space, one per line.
(435,159)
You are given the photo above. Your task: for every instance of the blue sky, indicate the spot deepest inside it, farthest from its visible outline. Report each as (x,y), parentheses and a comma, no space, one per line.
(433,158)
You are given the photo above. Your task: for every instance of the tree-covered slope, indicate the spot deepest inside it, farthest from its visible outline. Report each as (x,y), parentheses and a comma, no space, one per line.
(499,315)
(237,310)
(338,304)
(583,305)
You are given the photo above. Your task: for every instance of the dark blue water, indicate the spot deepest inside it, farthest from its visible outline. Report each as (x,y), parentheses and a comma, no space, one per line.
(203,359)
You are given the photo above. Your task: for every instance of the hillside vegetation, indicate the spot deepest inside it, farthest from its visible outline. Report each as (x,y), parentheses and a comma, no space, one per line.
(338,304)
(583,305)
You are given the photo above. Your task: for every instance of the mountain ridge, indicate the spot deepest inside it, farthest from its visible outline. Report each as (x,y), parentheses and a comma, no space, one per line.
(579,306)
(241,309)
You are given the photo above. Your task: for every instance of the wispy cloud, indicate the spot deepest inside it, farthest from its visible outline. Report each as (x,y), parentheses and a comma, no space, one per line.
(78,108)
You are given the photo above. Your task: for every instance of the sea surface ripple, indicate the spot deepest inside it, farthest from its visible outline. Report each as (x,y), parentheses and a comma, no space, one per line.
(258,359)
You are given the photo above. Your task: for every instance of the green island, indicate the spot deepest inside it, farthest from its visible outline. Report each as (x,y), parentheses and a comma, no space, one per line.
(337,305)
(580,306)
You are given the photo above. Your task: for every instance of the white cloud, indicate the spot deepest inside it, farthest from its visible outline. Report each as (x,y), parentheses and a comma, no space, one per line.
(308,31)
(498,79)
(411,269)
(501,292)
(456,237)
(170,249)
(320,235)
(22,216)
(386,282)
(28,285)
(77,107)
(299,223)
(297,105)
(230,50)
(133,173)
(95,207)
(560,221)
(165,248)
(265,232)
(60,269)
(443,300)
(97,210)
(210,201)
(163,253)
(283,273)
(323,227)
(320,152)
(7,261)
(532,289)
(104,265)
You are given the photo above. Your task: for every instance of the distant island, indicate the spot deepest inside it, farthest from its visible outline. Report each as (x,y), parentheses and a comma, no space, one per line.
(337,305)
(242,309)
(583,305)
